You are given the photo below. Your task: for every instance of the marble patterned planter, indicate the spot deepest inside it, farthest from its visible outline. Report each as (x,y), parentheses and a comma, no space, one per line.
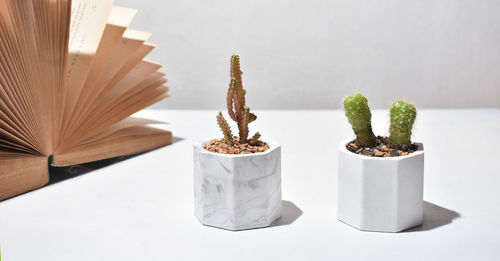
(380,194)
(237,192)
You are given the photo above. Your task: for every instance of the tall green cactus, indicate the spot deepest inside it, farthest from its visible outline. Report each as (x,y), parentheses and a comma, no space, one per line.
(402,118)
(359,115)
(235,102)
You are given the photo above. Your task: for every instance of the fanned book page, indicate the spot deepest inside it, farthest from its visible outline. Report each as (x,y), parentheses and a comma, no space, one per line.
(71,74)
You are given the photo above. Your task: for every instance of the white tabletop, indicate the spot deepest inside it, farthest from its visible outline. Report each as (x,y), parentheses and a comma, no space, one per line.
(142,208)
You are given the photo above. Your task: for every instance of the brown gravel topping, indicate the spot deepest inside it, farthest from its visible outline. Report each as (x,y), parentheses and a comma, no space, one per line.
(220,146)
(382,149)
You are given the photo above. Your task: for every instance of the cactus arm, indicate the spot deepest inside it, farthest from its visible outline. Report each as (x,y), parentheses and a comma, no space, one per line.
(243,126)
(403,116)
(255,139)
(359,115)
(239,102)
(229,99)
(235,68)
(226,130)
(252,118)
(239,92)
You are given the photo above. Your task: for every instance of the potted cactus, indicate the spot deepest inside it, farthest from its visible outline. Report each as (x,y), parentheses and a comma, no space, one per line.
(380,179)
(237,180)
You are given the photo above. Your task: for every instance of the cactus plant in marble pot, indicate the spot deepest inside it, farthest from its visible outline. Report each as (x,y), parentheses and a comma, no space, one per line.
(380,179)
(237,180)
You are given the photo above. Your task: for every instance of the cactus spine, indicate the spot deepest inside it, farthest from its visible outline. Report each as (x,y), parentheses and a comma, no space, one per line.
(402,118)
(359,115)
(236,108)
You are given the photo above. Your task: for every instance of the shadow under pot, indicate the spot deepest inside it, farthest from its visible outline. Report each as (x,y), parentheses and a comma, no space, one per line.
(237,192)
(380,194)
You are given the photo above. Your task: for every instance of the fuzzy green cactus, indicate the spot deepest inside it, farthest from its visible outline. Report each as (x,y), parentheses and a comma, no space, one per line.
(236,107)
(359,115)
(402,118)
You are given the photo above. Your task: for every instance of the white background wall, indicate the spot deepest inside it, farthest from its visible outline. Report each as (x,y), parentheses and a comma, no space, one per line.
(309,54)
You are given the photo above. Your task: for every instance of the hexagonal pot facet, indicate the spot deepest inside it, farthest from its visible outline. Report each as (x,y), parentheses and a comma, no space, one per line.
(237,192)
(380,194)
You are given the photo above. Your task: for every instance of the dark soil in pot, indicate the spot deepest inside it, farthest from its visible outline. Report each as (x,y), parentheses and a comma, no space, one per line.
(382,149)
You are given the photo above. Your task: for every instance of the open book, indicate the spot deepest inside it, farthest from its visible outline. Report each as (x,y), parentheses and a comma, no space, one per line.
(71,74)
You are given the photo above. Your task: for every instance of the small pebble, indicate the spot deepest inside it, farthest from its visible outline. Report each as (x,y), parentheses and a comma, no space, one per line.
(378,153)
(366,151)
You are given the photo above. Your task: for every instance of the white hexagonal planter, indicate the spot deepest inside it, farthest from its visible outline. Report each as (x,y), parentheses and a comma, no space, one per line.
(380,194)
(237,192)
